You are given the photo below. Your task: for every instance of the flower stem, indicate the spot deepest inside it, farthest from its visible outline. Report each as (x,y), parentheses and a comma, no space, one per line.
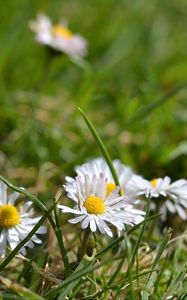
(154,222)
(83,246)
(61,243)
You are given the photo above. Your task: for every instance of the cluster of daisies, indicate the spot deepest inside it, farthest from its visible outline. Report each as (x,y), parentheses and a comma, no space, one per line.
(98,203)
(58,37)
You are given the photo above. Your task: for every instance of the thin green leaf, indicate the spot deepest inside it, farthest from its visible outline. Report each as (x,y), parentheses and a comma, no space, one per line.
(141,233)
(101,146)
(157,103)
(61,242)
(77,275)
(85,262)
(162,246)
(118,240)
(22,291)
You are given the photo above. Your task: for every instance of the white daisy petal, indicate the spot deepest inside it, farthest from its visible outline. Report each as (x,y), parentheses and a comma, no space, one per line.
(76,220)
(16,223)
(67,209)
(3,193)
(13,197)
(93,225)
(181,212)
(3,242)
(97,209)
(85,222)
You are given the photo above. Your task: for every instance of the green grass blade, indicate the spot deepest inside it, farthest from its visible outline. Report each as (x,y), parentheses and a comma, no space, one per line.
(21,190)
(85,262)
(77,275)
(141,233)
(157,103)
(17,288)
(101,146)
(162,246)
(61,242)
(118,240)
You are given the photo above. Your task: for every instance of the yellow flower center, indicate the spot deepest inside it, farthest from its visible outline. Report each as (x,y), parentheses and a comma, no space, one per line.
(110,187)
(94,205)
(61,31)
(9,216)
(154,182)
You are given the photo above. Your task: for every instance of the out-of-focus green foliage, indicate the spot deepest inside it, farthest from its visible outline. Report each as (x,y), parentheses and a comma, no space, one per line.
(137,54)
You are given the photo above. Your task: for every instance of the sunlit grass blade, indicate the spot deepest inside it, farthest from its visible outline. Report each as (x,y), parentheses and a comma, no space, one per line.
(101,146)
(19,289)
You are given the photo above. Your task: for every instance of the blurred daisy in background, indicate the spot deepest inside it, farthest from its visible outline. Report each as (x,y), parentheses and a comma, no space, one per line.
(16,221)
(97,209)
(172,196)
(58,37)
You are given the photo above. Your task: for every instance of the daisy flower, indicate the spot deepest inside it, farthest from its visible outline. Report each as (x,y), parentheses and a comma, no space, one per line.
(175,193)
(58,37)
(98,166)
(16,222)
(97,210)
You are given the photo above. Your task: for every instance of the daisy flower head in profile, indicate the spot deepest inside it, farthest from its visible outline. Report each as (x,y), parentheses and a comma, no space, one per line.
(58,37)
(172,196)
(96,167)
(97,210)
(16,221)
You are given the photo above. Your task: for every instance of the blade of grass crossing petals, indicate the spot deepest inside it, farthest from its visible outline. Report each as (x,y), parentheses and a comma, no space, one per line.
(101,146)
(21,190)
(40,205)
(6,261)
